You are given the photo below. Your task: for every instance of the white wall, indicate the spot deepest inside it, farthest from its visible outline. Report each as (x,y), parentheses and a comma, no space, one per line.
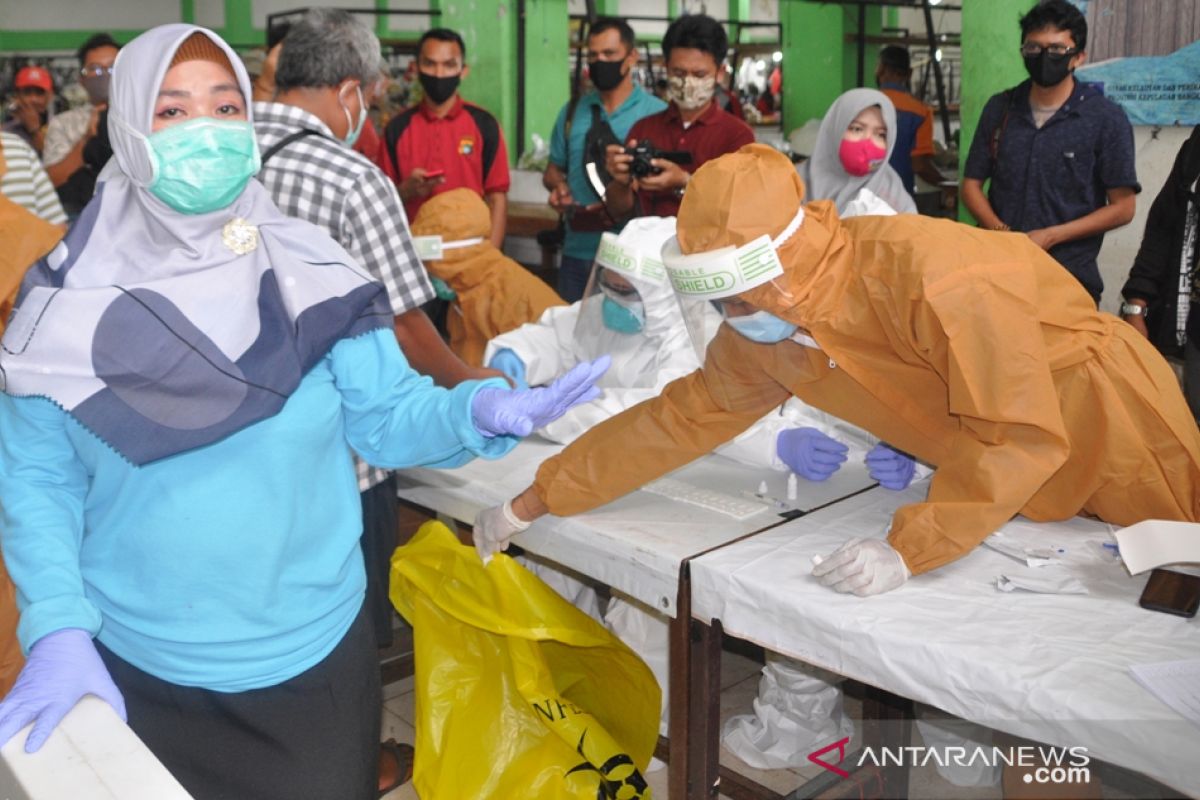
(646,8)
(210,13)
(1154,159)
(943,21)
(762,11)
(88,17)
(415,22)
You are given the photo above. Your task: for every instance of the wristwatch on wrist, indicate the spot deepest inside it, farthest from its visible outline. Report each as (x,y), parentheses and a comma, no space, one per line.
(1132,310)
(686,180)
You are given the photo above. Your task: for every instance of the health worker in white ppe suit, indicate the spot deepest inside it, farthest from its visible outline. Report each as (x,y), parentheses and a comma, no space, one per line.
(630,313)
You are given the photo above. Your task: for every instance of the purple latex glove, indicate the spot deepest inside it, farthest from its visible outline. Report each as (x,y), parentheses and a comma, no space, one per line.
(502,412)
(62,667)
(891,468)
(810,453)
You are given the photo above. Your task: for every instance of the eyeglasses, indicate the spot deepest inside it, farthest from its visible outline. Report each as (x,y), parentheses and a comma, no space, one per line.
(1034,49)
(95,72)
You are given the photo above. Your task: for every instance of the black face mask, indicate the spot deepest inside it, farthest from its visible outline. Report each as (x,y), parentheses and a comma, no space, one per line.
(606,75)
(1047,70)
(438,90)
(96,87)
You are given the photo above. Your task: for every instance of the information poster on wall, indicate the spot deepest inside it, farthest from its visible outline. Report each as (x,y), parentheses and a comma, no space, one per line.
(1146,56)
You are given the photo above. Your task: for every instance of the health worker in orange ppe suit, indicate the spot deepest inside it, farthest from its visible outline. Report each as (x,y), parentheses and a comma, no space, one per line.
(489,293)
(26,238)
(969,349)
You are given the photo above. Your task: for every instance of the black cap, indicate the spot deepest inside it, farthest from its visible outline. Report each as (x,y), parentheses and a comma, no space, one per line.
(895,57)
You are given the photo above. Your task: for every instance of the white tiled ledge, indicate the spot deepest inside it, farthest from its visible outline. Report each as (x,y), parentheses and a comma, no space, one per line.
(92,755)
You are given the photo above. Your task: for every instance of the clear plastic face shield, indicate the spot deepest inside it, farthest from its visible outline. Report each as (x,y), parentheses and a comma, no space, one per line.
(709,286)
(612,295)
(434,248)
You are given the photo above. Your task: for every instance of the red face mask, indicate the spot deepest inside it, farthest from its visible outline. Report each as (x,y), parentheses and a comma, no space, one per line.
(861,157)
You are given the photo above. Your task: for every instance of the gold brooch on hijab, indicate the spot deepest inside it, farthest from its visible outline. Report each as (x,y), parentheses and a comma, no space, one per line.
(240,236)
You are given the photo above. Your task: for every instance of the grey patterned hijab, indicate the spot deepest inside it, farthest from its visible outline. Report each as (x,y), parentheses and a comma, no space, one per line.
(824,176)
(161,331)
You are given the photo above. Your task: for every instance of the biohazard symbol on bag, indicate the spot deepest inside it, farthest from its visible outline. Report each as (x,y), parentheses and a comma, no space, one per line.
(518,694)
(631,787)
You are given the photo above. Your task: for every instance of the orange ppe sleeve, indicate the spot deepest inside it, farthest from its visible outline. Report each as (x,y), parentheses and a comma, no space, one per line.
(691,416)
(26,238)
(979,327)
(10,650)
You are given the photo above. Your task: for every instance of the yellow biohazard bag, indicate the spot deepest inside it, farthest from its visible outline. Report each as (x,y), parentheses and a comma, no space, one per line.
(519,695)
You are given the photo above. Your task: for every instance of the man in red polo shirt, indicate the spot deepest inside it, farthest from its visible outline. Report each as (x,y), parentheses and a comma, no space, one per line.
(443,143)
(33,90)
(694,49)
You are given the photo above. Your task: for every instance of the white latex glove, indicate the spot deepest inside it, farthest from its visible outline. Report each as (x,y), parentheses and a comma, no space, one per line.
(862,566)
(494,527)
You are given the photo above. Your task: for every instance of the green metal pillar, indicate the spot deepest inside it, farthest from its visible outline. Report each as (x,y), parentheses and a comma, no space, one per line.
(547,67)
(187,11)
(381,21)
(489,30)
(991,63)
(739,11)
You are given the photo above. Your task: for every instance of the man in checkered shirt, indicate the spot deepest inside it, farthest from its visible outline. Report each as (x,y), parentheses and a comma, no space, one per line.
(311,172)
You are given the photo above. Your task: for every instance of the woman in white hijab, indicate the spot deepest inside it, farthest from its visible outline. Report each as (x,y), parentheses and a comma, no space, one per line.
(854,144)
(184,378)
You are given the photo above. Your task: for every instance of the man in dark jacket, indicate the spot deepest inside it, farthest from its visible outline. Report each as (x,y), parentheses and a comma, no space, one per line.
(1162,295)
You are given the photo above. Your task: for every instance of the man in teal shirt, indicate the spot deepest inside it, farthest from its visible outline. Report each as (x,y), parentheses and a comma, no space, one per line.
(611,55)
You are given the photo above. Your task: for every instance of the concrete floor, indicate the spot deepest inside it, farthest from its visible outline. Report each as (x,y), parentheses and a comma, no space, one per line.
(739,688)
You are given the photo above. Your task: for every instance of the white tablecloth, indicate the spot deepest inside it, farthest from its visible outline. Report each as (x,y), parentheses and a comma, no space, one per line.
(635,544)
(1054,668)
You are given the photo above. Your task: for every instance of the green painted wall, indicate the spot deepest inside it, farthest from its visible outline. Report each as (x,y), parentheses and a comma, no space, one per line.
(812,54)
(818,63)
(547,72)
(874,27)
(991,62)
(239,30)
(489,30)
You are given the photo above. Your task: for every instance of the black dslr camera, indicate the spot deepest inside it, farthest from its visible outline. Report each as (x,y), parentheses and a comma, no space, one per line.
(645,152)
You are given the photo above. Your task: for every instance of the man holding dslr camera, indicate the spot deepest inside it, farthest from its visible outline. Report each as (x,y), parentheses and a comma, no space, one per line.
(584,128)
(649,174)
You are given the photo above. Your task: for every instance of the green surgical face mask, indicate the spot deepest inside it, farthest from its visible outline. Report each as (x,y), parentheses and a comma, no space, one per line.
(203,164)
